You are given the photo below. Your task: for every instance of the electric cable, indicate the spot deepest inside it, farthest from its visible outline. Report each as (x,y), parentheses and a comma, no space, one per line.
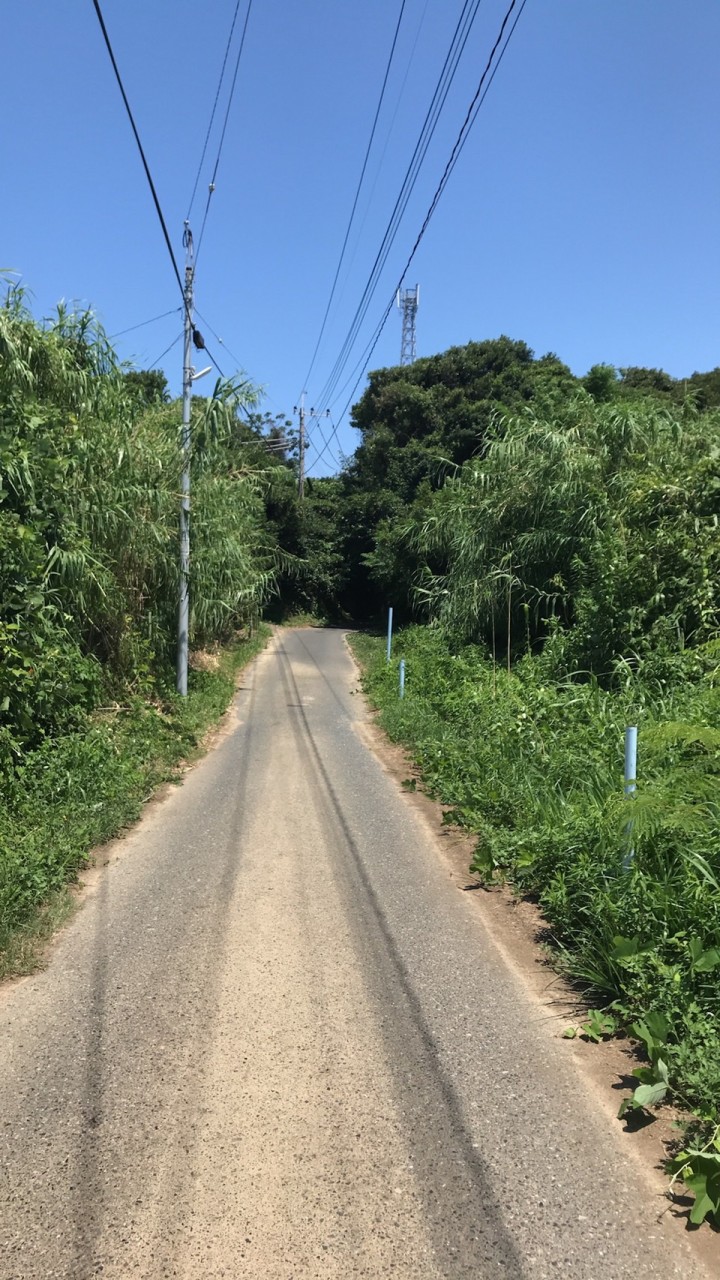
(211,188)
(447,75)
(148,175)
(341,259)
(325,451)
(442,89)
(142,324)
(214,109)
(471,115)
(389,133)
(174,343)
(234,358)
(316,417)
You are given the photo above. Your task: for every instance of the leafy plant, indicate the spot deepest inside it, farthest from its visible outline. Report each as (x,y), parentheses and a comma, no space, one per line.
(699,1169)
(598,1026)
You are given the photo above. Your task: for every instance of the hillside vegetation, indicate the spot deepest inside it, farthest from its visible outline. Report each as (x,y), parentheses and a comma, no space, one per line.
(89,482)
(557,543)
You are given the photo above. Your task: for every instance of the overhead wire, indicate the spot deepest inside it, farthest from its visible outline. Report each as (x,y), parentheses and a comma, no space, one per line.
(470,117)
(442,88)
(351,219)
(174,343)
(388,134)
(481,92)
(148,175)
(216,336)
(317,417)
(121,332)
(211,188)
(214,109)
(325,451)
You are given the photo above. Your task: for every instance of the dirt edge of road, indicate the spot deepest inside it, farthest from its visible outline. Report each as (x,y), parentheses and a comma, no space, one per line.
(517,928)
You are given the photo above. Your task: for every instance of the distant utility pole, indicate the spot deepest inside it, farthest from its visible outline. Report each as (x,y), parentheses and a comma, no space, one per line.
(408,301)
(300,411)
(191,335)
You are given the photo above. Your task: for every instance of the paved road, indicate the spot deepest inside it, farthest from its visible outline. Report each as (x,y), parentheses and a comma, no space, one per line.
(277,1043)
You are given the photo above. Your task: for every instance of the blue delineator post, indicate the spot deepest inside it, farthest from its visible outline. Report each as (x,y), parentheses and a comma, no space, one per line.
(389,639)
(402,677)
(630,783)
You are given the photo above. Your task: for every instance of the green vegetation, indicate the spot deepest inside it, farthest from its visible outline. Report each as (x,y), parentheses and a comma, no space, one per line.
(89,479)
(77,790)
(568,567)
(552,545)
(534,766)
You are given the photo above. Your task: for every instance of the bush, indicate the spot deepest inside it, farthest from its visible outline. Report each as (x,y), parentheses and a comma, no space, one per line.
(536,770)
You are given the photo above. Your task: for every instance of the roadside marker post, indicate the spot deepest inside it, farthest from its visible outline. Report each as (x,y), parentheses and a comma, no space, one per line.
(402,677)
(630,784)
(389,638)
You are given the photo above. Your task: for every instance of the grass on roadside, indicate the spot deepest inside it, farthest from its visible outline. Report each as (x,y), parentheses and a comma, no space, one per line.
(77,791)
(534,767)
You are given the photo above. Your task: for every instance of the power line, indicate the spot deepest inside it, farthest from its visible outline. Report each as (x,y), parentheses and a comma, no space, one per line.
(214,109)
(174,343)
(389,132)
(341,259)
(317,417)
(211,188)
(470,117)
(142,324)
(223,343)
(148,175)
(442,88)
(326,450)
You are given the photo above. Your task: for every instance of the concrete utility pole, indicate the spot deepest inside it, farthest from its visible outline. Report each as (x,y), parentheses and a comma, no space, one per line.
(301,474)
(300,411)
(408,301)
(184,602)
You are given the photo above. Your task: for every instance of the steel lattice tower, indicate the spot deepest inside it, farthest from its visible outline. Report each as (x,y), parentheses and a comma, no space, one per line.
(408,301)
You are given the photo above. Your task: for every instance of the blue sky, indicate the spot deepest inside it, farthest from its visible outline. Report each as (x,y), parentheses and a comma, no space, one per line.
(581,217)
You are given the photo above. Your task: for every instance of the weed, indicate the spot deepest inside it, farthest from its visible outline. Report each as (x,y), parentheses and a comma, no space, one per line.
(534,768)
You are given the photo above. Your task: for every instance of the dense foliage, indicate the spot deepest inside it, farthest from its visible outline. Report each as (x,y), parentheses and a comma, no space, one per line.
(566,554)
(534,766)
(90,462)
(89,526)
(418,424)
(596,524)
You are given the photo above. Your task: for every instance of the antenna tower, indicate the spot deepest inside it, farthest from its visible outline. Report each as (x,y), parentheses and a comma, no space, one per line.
(408,301)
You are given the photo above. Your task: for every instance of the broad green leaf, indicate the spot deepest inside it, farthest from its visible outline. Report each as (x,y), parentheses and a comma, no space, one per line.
(650,1095)
(708,961)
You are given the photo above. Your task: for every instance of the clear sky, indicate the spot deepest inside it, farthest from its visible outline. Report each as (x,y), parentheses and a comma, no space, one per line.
(581,217)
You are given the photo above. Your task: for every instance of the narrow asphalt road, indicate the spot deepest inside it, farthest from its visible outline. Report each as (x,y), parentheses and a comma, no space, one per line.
(276,1042)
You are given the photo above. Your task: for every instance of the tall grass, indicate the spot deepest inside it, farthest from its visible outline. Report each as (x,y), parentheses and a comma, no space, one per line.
(89,526)
(535,769)
(89,511)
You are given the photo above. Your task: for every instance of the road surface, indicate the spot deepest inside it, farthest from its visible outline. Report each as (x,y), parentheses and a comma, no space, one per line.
(277,1042)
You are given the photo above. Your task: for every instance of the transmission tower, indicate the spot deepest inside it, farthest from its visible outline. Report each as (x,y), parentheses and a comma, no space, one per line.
(408,301)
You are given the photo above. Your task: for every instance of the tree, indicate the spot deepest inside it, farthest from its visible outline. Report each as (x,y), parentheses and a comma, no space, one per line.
(601,382)
(148,386)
